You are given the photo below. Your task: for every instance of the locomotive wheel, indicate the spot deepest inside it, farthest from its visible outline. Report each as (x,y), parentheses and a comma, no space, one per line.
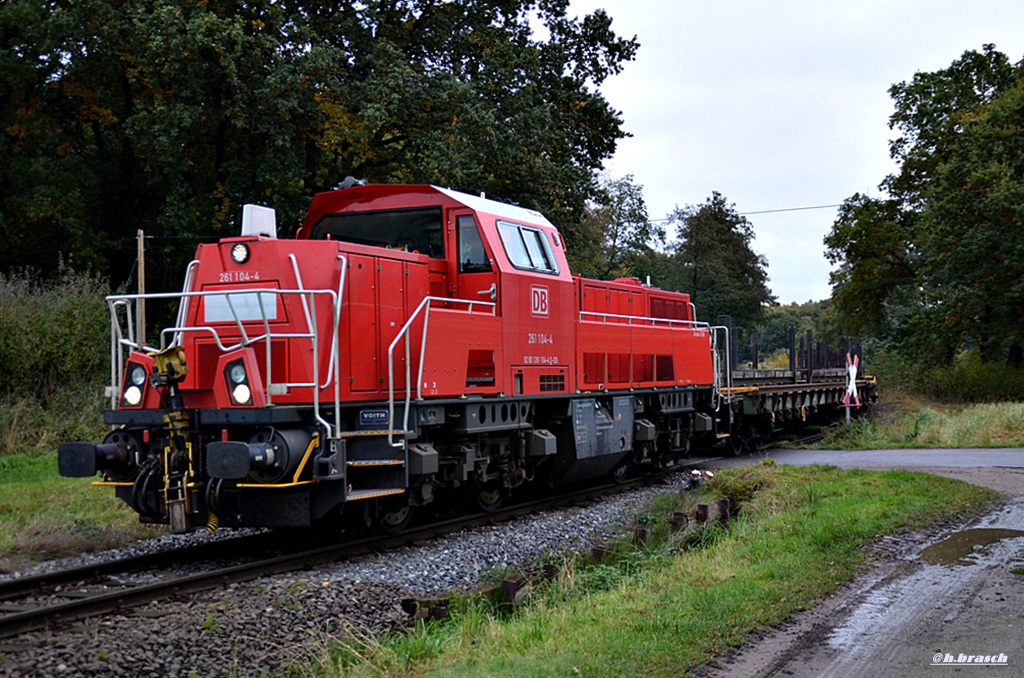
(619,473)
(350,518)
(394,516)
(487,498)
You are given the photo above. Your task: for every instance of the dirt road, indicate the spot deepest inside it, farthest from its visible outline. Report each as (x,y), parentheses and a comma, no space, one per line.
(929,604)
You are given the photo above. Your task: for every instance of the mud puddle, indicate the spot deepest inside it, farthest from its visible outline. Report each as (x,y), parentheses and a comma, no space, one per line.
(960,548)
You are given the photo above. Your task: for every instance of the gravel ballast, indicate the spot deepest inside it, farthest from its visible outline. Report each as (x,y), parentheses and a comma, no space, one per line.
(265,625)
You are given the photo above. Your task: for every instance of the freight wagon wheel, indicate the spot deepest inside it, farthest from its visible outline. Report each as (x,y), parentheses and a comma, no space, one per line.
(486,498)
(744,439)
(757,443)
(619,473)
(393,516)
(735,445)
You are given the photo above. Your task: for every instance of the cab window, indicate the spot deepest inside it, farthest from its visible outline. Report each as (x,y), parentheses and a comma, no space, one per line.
(472,255)
(527,248)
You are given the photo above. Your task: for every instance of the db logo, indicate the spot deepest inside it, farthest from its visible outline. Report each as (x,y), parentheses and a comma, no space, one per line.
(539,301)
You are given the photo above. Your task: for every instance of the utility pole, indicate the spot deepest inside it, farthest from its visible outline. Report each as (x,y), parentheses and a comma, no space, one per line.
(141,306)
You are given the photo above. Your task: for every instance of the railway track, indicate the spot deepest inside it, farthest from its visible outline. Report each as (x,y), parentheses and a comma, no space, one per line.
(54,599)
(51,599)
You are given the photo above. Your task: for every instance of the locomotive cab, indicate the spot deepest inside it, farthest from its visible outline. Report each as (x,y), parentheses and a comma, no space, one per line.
(526,274)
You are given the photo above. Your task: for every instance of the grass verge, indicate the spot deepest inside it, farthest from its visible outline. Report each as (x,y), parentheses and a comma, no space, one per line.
(43,515)
(914,423)
(674,604)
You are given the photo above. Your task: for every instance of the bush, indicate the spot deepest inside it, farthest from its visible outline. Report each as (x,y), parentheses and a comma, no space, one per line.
(54,356)
(52,333)
(966,380)
(75,412)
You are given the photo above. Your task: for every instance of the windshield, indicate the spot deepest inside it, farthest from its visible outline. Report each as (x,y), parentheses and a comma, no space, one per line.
(410,230)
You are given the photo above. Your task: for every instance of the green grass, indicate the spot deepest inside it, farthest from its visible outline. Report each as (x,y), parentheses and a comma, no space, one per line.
(677,603)
(44,515)
(913,423)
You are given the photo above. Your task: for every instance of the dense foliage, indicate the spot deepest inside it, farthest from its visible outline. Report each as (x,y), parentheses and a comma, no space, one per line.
(50,333)
(52,359)
(937,268)
(619,236)
(168,115)
(714,261)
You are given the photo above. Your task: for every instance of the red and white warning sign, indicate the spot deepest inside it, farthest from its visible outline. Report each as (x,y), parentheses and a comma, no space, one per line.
(851,381)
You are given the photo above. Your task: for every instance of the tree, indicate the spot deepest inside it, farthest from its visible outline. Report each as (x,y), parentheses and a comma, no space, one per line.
(714,262)
(936,268)
(168,116)
(929,115)
(157,115)
(621,234)
(975,231)
(872,246)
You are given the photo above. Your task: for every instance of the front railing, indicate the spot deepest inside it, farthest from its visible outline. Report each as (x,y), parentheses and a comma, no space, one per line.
(242,312)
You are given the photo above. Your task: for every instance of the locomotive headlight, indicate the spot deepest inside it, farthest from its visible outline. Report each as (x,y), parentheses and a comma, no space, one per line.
(133,394)
(236,373)
(136,375)
(240,253)
(134,385)
(238,383)
(241,395)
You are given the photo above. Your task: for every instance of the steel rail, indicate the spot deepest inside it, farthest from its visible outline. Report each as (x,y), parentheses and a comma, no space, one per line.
(20,586)
(28,620)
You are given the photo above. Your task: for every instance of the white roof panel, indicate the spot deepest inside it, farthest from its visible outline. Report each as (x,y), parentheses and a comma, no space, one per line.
(498,209)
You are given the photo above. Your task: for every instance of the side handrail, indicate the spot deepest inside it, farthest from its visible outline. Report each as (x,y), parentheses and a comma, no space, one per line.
(334,365)
(634,319)
(423,308)
(715,332)
(298,281)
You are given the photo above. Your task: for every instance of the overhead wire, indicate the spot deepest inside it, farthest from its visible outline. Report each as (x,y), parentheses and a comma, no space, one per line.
(994,189)
(790,209)
(774,211)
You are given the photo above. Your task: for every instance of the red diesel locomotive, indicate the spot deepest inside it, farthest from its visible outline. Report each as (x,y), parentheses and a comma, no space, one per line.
(411,340)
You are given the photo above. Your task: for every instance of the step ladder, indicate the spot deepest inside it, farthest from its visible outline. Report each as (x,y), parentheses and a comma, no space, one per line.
(373,467)
(720,437)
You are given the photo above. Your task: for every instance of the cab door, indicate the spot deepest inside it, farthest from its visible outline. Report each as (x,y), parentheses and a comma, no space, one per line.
(475,276)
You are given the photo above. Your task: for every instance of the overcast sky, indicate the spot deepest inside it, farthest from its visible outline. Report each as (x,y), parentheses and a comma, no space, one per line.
(779,105)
